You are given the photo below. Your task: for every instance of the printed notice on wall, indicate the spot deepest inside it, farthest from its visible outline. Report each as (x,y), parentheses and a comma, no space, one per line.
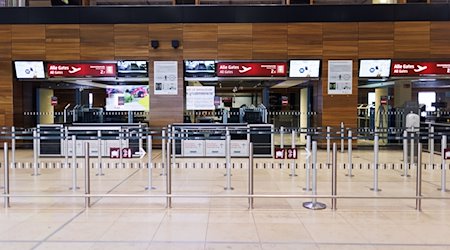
(340,77)
(200,97)
(166,77)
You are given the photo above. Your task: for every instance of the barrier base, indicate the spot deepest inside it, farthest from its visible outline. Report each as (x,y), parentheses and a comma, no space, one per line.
(71,188)
(307,189)
(99,174)
(375,190)
(150,188)
(230,188)
(445,190)
(349,175)
(293,175)
(406,175)
(314,205)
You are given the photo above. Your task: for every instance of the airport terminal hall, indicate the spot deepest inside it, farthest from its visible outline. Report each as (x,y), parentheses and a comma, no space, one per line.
(224,124)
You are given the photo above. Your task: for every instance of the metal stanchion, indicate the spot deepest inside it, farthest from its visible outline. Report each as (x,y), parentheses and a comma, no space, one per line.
(342,137)
(405,154)
(250,175)
(314,204)
(99,156)
(328,144)
(431,145)
(87,176)
(334,177)
(443,187)
(121,131)
(74,164)
(66,149)
(6,174)
(149,163)
(35,154)
(172,163)
(411,154)
(375,164)
(228,159)
(293,147)
(163,152)
(419,178)
(168,176)
(308,163)
(281,137)
(350,152)
(13,145)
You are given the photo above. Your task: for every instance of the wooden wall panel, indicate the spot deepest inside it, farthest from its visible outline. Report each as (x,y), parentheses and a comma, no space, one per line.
(165,33)
(131,41)
(269,41)
(305,40)
(28,42)
(62,42)
(200,41)
(97,42)
(440,40)
(412,40)
(233,41)
(340,41)
(376,40)
(5,42)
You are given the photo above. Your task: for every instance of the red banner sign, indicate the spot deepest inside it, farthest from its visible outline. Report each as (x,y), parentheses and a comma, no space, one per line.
(251,69)
(81,69)
(409,68)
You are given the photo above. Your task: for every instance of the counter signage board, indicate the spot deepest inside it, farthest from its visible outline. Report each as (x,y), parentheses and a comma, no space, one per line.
(165,77)
(239,148)
(251,69)
(200,97)
(193,147)
(81,69)
(340,77)
(411,68)
(215,147)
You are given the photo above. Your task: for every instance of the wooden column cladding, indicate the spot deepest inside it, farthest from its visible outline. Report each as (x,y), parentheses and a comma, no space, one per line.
(233,42)
(412,40)
(62,42)
(340,42)
(166,109)
(440,40)
(97,42)
(6,89)
(270,41)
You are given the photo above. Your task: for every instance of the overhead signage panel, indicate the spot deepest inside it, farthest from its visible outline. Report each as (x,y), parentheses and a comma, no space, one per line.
(251,69)
(374,68)
(412,68)
(29,69)
(304,68)
(81,69)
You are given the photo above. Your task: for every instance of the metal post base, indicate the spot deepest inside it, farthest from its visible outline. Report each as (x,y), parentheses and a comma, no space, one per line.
(230,188)
(375,190)
(446,190)
(226,174)
(150,188)
(162,174)
(35,174)
(293,175)
(102,174)
(314,205)
(406,175)
(71,188)
(307,189)
(349,175)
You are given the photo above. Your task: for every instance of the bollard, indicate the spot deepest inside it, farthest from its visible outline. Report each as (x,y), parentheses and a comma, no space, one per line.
(228,159)
(168,176)
(328,144)
(13,146)
(74,164)
(419,178)
(375,164)
(350,152)
(250,175)
(163,153)
(334,178)
(99,156)
(405,154)
(308,163)
(314,205)
(342,136)
(149,163)
(6,174)
(431,146)
(293,147)
(35,154)
(87,177)
(443,187)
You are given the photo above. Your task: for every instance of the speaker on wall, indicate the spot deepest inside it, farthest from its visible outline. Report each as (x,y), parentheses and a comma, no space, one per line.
(154,44)
(175,44)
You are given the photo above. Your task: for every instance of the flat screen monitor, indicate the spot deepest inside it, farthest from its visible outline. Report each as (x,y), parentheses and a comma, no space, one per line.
(127,98)
(304,68)
(199,69)
(132,69)
(29,69)
(374,68)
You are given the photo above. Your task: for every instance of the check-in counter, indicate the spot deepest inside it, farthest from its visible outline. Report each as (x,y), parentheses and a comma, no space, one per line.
(209,139)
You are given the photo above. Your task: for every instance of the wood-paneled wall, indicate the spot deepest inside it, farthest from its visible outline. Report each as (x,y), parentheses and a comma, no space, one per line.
(222,41)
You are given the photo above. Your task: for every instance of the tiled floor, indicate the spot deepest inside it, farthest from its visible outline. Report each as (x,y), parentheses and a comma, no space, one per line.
(225,223)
